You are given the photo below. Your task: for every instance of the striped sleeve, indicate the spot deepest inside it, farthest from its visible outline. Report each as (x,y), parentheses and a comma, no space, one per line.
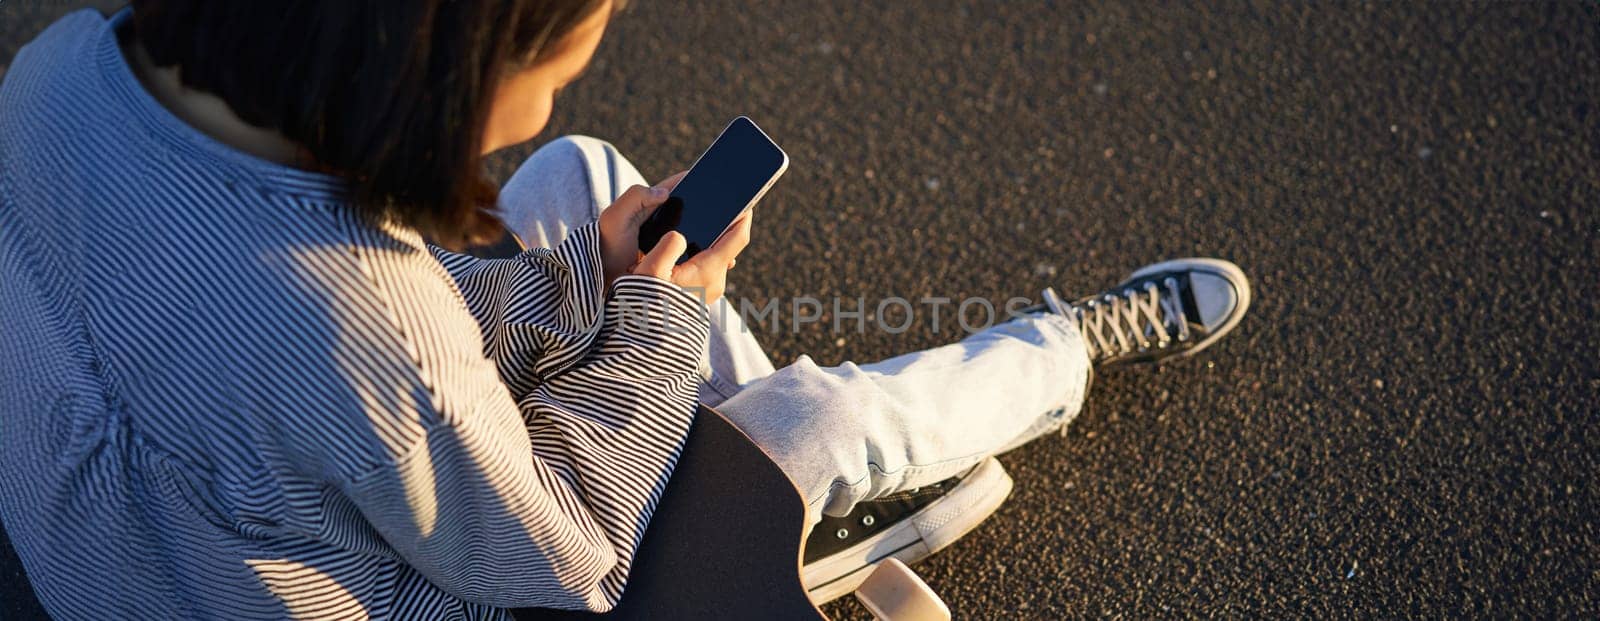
(614,425)
(605,393)
(538,311)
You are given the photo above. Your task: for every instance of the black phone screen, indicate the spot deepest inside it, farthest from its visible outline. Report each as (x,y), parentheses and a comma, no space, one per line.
(726,178)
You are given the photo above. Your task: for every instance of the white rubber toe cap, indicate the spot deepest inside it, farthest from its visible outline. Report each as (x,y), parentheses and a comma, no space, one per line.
(1215,298)
(1221,291)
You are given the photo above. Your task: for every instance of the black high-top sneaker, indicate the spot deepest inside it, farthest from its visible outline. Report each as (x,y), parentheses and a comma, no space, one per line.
(1171,309)
(911,525)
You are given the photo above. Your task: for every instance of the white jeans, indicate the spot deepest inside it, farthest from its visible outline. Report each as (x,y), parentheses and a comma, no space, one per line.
(852,432)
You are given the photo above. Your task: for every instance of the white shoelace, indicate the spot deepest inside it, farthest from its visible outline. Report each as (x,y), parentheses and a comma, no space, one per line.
(1121,323)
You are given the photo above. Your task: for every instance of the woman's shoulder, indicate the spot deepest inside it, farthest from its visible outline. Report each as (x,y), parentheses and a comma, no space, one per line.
(59,56)
(72,30)
(59,118)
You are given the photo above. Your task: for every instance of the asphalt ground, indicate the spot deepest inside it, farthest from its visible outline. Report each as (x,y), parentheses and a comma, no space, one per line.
(1404,426)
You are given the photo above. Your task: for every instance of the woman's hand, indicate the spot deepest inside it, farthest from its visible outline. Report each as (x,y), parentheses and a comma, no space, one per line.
(706,274)
(619,225)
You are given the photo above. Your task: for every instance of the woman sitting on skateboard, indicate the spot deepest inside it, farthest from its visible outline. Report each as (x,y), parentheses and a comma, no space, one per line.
(240,384)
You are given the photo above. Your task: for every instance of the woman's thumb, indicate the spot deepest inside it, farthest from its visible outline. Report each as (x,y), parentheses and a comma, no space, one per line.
(658,263)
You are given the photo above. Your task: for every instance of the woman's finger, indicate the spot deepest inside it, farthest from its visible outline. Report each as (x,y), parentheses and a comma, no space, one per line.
(632,198)
(731,243)
(637,202)
(658,263)
(670,183)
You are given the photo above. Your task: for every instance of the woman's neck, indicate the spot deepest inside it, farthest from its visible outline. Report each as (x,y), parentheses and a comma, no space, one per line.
(206,112)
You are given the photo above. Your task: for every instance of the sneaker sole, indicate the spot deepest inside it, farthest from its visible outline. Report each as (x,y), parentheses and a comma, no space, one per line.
(1228,270)
(925,532)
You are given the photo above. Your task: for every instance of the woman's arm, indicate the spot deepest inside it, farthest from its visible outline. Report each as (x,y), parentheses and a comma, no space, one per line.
(546,509)
(537,496)
(539,311)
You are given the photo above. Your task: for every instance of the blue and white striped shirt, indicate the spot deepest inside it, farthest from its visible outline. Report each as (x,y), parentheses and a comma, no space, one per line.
(224,395)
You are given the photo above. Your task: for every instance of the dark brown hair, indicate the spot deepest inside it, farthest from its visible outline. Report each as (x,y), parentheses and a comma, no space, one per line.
(392,95)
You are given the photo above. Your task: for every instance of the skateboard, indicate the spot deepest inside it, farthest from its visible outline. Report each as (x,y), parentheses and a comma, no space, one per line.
(724,543)
(727,540)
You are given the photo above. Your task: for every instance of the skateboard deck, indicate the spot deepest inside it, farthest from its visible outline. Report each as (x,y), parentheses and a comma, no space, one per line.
(724,543)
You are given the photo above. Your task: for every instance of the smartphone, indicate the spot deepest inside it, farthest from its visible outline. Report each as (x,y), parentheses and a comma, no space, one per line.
(724,182)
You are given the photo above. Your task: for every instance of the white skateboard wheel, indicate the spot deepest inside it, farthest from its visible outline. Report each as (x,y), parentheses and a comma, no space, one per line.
(895,593)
